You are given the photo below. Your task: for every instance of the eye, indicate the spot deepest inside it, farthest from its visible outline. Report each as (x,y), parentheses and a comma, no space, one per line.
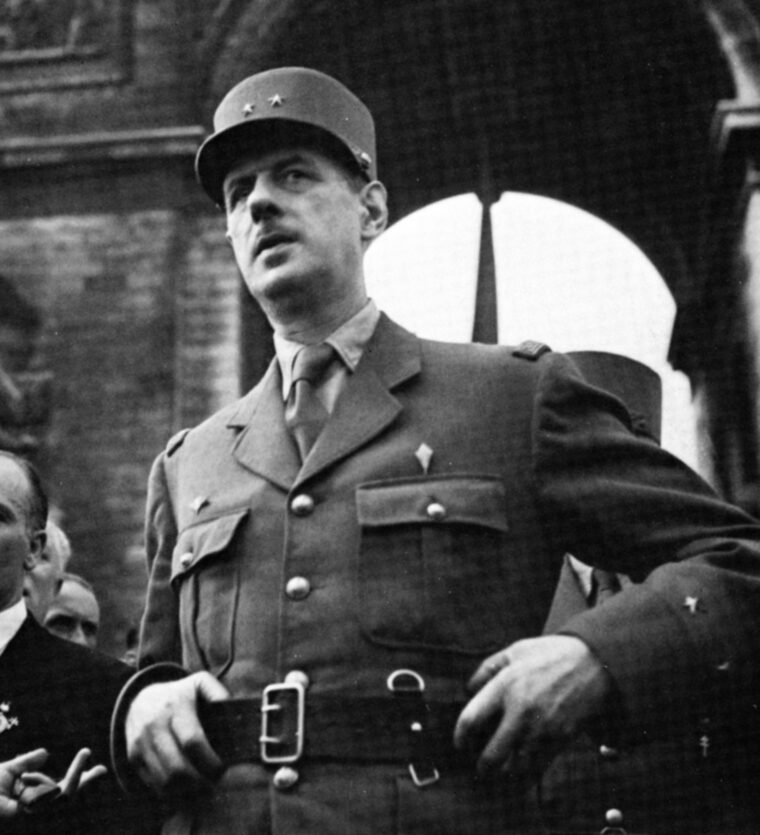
(236,192)
(295,175)
(6,515)
(234,196)
(64,623)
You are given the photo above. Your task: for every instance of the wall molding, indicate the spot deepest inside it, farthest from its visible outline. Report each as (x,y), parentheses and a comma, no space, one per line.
(111,146)
(54,47)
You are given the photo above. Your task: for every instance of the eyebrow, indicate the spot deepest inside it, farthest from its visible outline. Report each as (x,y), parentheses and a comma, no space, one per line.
(297,157)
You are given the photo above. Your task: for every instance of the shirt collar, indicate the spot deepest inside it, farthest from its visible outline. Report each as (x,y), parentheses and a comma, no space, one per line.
(349,341)
(10,623)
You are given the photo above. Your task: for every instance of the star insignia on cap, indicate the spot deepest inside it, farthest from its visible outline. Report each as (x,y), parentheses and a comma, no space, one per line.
(691,603)
(198,503)
(276,100)
(248,109)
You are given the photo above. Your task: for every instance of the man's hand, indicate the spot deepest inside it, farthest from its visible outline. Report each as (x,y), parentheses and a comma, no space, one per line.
(76,777)
(532,699)
(10,773)
(22,784)
(165,741)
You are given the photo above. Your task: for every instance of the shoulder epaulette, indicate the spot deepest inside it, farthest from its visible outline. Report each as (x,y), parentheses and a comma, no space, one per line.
(175,442)
(531,350)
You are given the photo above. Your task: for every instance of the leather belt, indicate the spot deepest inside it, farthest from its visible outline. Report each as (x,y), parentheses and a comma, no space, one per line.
(370,729)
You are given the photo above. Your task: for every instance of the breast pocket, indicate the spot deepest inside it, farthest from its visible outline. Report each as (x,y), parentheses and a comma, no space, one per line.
(206,579)
(431,563)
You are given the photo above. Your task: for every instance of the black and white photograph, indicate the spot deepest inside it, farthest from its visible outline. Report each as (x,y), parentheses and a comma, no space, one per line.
(380,417)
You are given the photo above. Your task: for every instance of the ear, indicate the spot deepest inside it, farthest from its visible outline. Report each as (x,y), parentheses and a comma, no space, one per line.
(374,200)
(37,541)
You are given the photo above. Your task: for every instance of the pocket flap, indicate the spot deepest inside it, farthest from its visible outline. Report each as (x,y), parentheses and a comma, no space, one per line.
(203,540)
(454,499)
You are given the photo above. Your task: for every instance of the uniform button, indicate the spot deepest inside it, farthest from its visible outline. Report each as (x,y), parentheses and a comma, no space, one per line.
(436,511)
(608,752)
(297,677)
(297,588)
(186,559)
(614,817)
(302,504)
(285,778)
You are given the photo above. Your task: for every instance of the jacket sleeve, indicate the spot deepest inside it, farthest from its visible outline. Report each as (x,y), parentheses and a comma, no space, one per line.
(682,644)
(159,635)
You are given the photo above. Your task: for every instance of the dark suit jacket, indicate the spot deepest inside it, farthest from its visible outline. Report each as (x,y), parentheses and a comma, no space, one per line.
(57,695)
(529,462)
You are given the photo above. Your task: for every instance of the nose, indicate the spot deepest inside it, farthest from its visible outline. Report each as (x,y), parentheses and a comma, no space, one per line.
(262,200)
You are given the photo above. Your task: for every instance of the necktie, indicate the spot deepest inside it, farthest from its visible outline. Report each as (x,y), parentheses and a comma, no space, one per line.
(304,413)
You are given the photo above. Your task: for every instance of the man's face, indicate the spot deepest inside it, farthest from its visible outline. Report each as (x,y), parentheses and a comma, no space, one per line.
(74,615)
(19,547)
(42,581)
(295,222)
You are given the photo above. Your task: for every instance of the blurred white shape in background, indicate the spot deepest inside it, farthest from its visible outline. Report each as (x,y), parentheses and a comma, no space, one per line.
(563,276)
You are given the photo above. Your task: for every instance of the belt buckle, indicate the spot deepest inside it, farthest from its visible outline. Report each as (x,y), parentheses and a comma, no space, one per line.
(270,704)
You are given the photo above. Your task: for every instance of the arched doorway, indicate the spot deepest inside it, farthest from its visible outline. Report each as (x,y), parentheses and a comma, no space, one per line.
(562,276)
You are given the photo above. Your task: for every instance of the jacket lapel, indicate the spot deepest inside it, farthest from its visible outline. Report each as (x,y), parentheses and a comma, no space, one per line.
(363,410)
(265,445)
(366,406)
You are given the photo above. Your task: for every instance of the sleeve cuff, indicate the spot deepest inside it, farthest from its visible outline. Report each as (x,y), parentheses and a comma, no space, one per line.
(155,674)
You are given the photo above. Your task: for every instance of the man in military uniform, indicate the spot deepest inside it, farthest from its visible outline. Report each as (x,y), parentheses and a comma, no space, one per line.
(362,551)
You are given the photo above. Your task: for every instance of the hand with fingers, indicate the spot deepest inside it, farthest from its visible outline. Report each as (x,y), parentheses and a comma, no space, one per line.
(11,776)
(531,699)
(24,787)
(166,744)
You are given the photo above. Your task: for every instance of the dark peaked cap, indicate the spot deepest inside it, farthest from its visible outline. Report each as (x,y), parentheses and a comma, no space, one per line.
(271,107)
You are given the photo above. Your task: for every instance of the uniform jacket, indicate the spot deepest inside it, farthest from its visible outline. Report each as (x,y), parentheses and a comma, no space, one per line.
(528,462)
(697,779)
(57,695)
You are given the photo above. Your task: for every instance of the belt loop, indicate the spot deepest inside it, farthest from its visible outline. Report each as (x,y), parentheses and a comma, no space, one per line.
(408,688)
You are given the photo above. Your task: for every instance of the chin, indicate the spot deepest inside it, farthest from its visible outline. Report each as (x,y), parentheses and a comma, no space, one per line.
(278,286)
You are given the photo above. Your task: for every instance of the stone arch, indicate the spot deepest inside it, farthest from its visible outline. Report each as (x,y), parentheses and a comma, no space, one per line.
(605,106)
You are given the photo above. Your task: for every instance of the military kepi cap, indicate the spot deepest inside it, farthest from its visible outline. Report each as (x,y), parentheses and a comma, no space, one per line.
(271,107)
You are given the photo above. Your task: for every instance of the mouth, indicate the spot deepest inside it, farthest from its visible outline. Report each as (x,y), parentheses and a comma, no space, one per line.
(270,240)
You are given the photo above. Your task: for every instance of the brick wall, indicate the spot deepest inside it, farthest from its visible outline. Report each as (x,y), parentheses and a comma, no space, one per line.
(105,232)
(137,306)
